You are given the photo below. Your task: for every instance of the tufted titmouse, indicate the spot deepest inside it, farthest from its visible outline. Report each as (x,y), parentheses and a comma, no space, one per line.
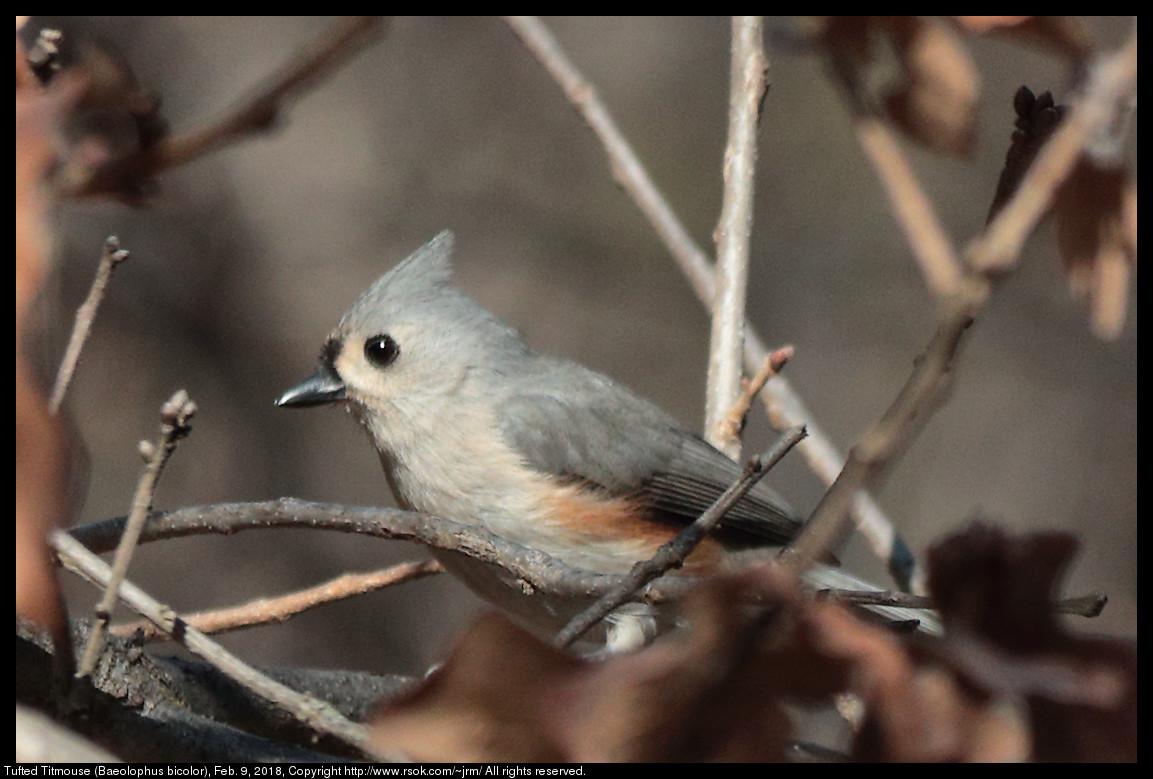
(472,425)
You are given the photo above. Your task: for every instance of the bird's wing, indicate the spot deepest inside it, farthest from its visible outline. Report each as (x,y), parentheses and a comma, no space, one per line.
(582,426)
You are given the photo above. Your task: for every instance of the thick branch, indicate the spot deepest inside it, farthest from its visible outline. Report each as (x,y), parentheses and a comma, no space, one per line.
(319,715)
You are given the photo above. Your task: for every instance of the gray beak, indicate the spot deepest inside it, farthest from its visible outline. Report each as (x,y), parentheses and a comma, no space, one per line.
(324,386)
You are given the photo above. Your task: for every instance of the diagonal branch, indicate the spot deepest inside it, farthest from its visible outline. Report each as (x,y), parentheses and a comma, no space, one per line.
(112,256)
(784,406)
(673,554)
(317,714)
(990,254)
(275,611)
(252,115)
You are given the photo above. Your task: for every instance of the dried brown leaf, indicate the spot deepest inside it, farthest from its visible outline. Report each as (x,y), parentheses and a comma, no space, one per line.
(935,99)
(1005,684)
(995,595)
(937,104)
(711,693)
(1097,238)
(1061,35)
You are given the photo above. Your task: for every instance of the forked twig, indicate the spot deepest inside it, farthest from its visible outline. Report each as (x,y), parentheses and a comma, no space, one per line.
(174,416)
(991,253)
(734,421)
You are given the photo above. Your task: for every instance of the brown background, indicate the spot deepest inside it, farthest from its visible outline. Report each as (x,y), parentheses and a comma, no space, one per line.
(249,257)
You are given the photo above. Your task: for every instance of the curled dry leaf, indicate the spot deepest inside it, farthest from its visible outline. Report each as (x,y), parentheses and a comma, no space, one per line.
(935,99)
(710,693)
(1002,637)
(1006,683)
(1097,237)
(937,104)
(1061,35)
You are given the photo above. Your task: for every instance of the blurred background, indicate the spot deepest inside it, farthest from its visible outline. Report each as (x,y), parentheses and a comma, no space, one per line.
(247,258)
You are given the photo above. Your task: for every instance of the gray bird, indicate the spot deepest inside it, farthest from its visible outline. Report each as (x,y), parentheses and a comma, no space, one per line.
(472,425)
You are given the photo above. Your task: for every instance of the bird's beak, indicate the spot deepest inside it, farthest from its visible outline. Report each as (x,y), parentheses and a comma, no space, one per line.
(324,386)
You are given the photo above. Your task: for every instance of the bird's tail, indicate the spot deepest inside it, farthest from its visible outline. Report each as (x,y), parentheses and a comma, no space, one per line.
(823,577)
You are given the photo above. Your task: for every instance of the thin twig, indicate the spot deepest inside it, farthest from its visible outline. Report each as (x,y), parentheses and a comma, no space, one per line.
(112,256)
(734,421)
(672,554)
(174,416)
(785,407)
(268,611)
(747,85)
(931,246)
(1090,605)
(880,444)
(318,715)
(254,114)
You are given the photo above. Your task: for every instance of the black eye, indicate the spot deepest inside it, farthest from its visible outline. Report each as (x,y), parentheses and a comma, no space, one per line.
(381,350)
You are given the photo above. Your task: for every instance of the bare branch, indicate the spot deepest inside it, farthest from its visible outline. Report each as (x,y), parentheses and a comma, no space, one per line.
(880,444)
(537,572)
(318,715)
(112,256)
(174,416)
(672,554)
(931,246)
(994,251)
(268,611)
(746,91)
(785,408)
(252,115)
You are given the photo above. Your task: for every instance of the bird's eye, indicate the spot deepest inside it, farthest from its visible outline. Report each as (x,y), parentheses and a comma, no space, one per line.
(381,350)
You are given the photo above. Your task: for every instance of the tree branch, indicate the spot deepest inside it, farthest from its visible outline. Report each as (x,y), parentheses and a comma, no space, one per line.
(252,115)
(174,416)
(993,252)
(112,256)
(318,715)
(746,91)
(672,554)
(784,406)
(269,611)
